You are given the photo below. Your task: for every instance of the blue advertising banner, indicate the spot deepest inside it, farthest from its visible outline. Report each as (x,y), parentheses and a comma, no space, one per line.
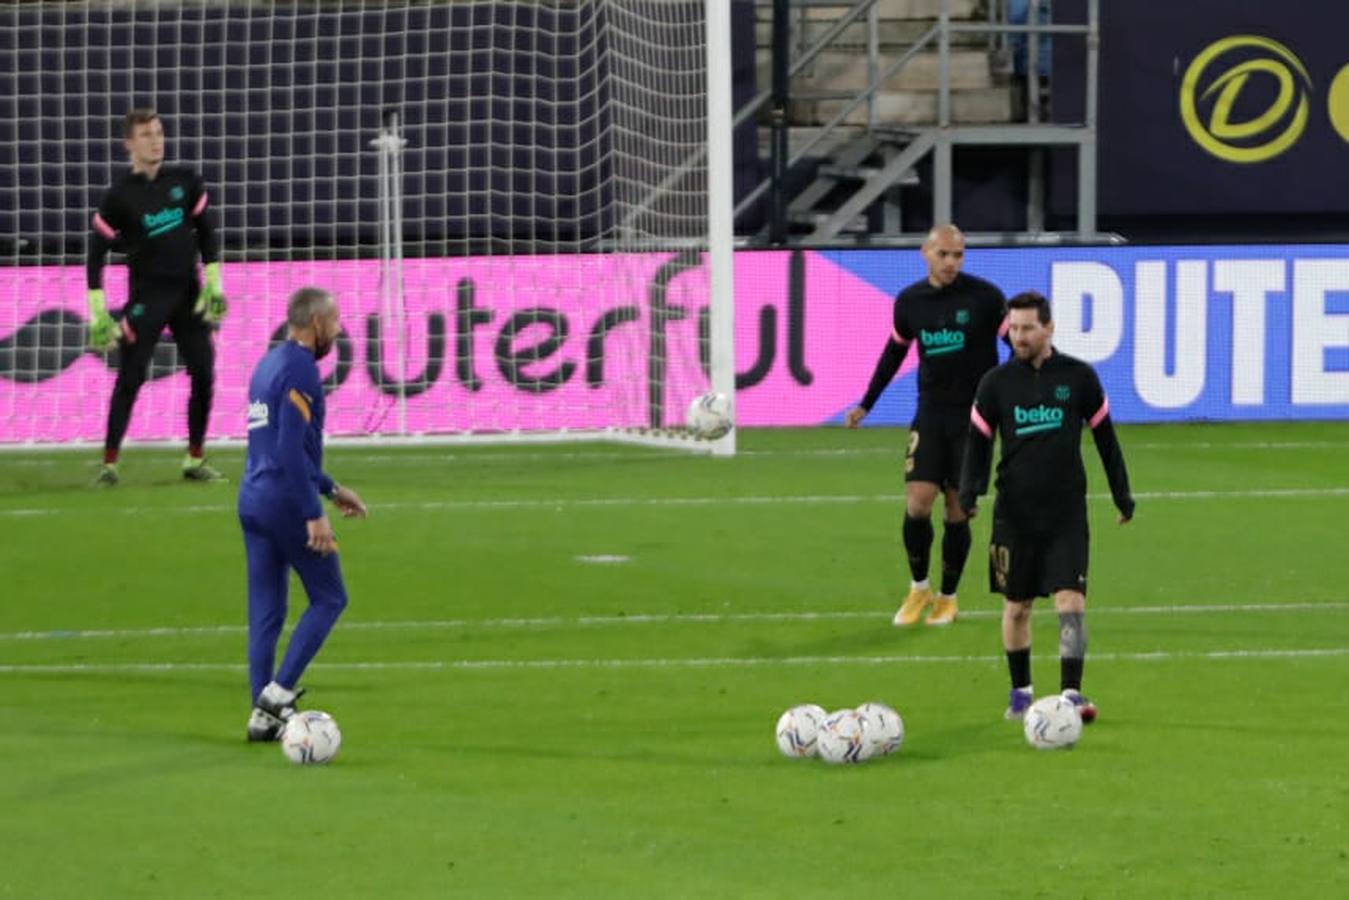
(1176,333)
(1215,106)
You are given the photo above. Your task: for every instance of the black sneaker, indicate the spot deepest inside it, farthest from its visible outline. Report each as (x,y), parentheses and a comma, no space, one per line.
(263,726)
(278,702)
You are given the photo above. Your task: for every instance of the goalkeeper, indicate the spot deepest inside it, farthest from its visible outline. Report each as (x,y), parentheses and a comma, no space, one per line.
(157,216)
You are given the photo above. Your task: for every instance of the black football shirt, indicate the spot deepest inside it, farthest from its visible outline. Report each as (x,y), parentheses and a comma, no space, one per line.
(161,225)
(955,328)
(1038,414)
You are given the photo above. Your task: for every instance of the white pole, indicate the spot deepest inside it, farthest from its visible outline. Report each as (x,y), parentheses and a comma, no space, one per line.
(396,263)
(384,225)
(389,144)
(721,207)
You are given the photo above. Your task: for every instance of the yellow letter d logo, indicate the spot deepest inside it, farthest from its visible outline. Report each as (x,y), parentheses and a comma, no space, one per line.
(1254,140)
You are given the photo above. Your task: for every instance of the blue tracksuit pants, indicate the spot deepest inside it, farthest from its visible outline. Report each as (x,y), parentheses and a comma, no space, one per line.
(274,546)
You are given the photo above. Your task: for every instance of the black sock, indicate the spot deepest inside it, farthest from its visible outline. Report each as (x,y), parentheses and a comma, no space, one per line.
(1018,663)
(1072,649)
(955,549)
(918,544)
(1070,676)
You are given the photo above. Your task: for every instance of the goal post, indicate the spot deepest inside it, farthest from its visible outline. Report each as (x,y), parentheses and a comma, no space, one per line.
(721,206)
(523,208)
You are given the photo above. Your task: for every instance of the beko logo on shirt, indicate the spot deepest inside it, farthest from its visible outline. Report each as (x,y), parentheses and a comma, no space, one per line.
(945,341)
(258,415)
(165,220)
(1036,418)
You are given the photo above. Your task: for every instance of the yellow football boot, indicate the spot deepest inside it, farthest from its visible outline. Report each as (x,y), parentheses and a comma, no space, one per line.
(943,611)
(911,610)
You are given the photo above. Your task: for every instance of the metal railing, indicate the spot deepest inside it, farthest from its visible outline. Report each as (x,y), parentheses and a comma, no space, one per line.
(943,136)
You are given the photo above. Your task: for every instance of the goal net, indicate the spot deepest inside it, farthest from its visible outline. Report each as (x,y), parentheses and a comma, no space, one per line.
(513,203)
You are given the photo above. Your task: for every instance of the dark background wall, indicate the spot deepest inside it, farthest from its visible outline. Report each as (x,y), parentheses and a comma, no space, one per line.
(503,108)
(1156,181)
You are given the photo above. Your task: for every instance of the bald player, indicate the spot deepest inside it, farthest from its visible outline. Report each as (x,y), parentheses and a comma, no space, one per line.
(955,320)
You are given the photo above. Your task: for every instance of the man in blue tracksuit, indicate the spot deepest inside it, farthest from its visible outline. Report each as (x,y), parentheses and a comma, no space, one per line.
(282,517)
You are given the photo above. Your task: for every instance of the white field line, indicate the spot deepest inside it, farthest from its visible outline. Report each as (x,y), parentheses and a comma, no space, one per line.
(896,451)
(490,456)
(745,662)
(658,619)
(560,503)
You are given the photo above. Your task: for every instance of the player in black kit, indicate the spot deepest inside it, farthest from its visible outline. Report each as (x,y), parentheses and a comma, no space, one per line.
(955,320)
(157,216)
(1036,403)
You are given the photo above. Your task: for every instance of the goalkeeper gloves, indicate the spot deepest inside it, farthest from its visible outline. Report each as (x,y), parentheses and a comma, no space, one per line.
(103,331)
(211,303)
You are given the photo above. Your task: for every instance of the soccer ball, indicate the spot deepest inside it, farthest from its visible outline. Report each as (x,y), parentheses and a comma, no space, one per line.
(310,738)
(798,728)
(842,738)
(710,415)
(1052,723)
(884,729)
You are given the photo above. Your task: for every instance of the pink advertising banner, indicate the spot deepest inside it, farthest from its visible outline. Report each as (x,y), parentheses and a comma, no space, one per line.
(482,344)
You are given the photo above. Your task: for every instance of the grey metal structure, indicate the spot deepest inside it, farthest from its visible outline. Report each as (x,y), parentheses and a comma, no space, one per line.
(903,148)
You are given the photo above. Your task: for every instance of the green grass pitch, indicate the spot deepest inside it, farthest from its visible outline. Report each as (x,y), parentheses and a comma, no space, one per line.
(523,720)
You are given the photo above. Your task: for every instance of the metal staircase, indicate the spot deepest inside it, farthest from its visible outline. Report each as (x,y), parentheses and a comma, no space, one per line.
(849,133)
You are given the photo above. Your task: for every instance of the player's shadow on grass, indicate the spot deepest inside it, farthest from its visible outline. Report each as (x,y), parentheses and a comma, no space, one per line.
(944,743)
(148,767)
(712,757)
(878,638)
(936,745)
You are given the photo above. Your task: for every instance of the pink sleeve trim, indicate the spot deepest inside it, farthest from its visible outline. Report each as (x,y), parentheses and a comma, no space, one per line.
(895,336)
(1005,326)
(1100,413)
(978,422)
(201,205)
(103,228)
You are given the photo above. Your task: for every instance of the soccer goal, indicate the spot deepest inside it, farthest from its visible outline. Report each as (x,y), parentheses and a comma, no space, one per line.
(523,208)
